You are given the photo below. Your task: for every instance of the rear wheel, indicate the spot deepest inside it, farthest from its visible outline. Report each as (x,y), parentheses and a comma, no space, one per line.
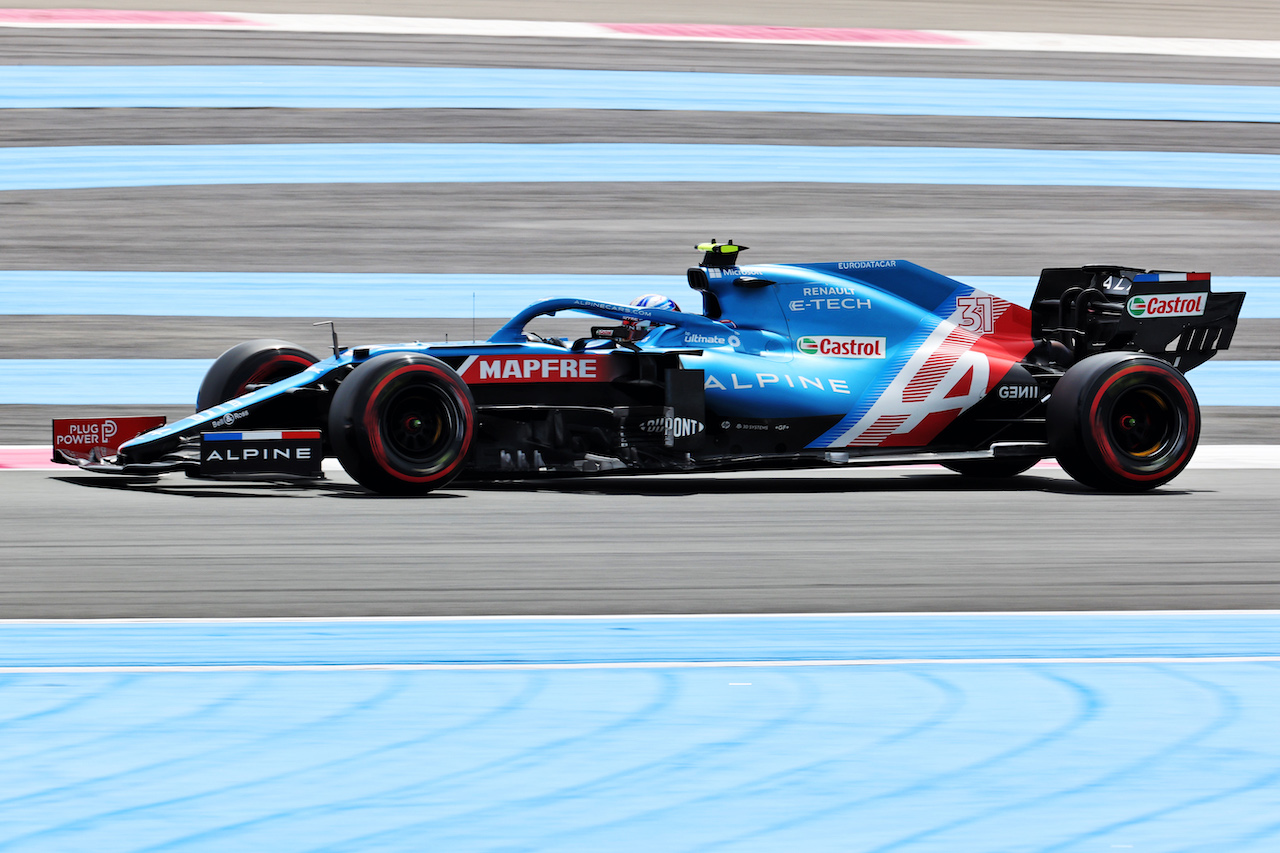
(402,424)
(1123,422)
(260,362)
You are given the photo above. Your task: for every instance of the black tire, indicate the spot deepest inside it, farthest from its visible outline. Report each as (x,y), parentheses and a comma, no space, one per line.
(260,362)
(1007,466)
(402,424)
(1123,421)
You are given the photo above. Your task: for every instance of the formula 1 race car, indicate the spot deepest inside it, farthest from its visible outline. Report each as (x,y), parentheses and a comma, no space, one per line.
(788,365)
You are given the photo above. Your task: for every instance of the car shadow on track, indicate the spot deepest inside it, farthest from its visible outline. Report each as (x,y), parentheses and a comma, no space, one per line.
(196,488)
(688,484)
(678,485)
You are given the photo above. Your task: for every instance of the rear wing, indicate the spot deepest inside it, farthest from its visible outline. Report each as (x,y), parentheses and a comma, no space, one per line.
(1170,315)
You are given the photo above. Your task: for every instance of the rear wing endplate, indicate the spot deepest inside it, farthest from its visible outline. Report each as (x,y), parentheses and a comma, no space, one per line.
(1171,315)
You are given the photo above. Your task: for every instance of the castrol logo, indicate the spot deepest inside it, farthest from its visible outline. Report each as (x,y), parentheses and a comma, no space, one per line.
(842,347)
(1167,305)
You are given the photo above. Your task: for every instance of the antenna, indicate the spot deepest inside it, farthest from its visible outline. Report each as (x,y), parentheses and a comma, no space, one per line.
(333,330)
(473,315)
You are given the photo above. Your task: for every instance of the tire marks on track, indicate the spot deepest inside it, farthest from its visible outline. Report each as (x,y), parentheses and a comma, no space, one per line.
(878,758)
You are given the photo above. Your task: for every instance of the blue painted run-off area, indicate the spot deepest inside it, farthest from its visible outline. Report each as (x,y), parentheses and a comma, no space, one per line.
(1173,757)
(80,167)
(638,639)
(444,295)
(319,87)
(322,295)
(146,381)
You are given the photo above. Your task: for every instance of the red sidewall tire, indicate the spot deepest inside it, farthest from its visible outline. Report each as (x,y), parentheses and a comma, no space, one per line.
(1123,421)
(402,423)
(260,362)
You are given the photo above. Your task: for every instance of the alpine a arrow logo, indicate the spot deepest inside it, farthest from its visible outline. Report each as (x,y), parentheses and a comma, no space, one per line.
(1167,305)
(842,347)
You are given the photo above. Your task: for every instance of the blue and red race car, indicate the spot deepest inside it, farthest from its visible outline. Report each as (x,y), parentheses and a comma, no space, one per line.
(788,365)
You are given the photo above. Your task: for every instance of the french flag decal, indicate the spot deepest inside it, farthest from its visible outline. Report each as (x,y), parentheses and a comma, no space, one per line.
(292,452)
(1170,276)
(265,435)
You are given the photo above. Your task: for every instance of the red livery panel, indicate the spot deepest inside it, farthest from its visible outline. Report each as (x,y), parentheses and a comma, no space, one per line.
(570,367)
(91,439)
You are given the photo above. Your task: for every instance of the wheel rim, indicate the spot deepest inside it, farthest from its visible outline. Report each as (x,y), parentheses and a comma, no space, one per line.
(419,424)
(1144,423)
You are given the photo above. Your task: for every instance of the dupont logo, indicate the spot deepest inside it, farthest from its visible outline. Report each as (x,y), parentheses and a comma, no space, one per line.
(677,427)
(842,347)
(1167,305)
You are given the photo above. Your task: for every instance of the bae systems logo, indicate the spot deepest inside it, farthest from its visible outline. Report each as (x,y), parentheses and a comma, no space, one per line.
(678,427)
(842,347)
(230,418)
(1167,305)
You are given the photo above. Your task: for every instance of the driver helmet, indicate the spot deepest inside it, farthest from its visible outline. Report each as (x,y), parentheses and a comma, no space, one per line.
(655,300)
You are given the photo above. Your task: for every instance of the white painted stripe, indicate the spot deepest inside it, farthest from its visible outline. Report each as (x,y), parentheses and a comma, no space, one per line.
(731,664)
(1072,43)
(657,617)
(1236,456)
(928,39)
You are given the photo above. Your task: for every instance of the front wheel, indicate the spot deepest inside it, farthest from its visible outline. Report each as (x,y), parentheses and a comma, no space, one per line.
(1123,421)
(402,424)
(248,365)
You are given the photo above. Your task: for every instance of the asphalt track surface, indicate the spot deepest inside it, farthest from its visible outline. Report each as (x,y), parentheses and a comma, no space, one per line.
(81,546)
(93,546)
